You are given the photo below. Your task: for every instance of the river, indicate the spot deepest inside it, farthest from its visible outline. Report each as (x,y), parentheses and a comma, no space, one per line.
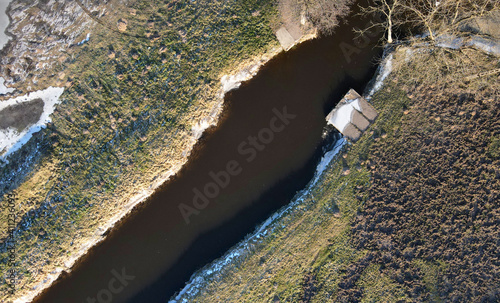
(264,149)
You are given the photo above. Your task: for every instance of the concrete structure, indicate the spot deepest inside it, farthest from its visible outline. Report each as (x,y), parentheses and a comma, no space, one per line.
(285,38)
(352,116)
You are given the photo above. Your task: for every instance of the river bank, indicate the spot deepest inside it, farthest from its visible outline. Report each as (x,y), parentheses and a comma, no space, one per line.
(62,200)
(218,270)
(356,234)
(199,127)
(245,71)
(282,85)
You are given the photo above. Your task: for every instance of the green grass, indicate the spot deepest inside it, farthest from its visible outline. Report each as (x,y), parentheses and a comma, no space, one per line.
(125,117)
(314,239)
(494,147)
(378,287)
(313,253)
(432,275)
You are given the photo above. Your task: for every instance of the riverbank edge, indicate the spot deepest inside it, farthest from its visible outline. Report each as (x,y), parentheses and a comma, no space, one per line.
(211,273)
(243,248)
(244,71)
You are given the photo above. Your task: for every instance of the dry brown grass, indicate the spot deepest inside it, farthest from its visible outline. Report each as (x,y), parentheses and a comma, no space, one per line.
(430,221)
(296,15)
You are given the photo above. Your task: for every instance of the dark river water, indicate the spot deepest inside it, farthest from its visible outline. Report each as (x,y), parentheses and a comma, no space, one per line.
(264,150)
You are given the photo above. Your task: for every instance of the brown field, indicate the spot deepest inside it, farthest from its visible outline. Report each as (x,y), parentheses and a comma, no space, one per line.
(431,220)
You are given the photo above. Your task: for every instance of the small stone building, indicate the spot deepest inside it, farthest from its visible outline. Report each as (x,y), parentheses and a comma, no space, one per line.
(352,116)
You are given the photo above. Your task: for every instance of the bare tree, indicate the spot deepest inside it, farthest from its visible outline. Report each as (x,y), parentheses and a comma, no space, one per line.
(431,16)
(388,9)
(325,14)
(436,15)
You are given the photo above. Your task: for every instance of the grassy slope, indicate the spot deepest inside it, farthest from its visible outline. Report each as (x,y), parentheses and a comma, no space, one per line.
(408,213)
(125,118)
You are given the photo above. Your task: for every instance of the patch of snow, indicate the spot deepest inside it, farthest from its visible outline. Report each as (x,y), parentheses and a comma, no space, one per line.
(424,35)
(4,22)
(326,159)
(355,103)
(384,70)
(342,117)
(409,54)
(449,41)
(230,82)
(200,127)
(10,139)
(303,19)
(487,45)
(4,89)
(84,40)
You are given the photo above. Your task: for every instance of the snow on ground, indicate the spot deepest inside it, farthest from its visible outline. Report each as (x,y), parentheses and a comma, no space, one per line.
(384,70)
(200,127)
(240,250)
(342,117)
(10,139)
(326,159)
(87,38)
(4,89)
(453,42)
(449,41)
(487,45)
(4,22)
(230,82)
